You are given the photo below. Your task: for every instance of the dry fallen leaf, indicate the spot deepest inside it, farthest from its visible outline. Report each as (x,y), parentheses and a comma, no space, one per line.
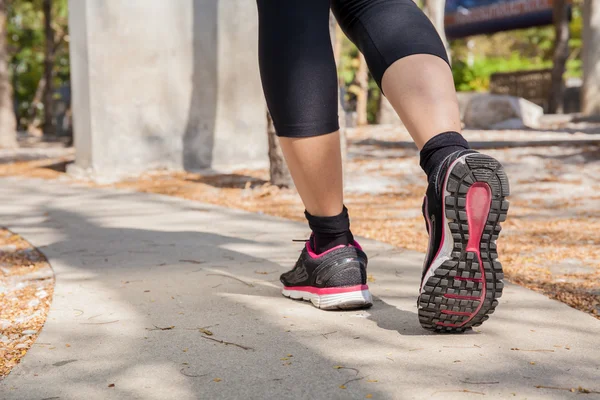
(217,379)
(158,328)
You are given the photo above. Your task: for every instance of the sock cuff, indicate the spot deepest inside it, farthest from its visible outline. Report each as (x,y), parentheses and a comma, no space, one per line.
(444,139)
(449,138)
(333,224)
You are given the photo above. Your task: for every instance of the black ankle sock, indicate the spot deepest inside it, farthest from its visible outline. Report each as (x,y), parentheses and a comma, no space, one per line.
(438,148)
(329,232)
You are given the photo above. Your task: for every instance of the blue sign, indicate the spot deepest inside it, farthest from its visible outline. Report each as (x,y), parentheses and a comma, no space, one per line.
(474,17)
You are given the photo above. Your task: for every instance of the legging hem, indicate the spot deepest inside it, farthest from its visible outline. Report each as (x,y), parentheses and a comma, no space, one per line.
(379,78)
(308,130)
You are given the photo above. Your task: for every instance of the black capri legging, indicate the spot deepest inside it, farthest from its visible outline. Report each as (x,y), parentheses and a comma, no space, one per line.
(296,59)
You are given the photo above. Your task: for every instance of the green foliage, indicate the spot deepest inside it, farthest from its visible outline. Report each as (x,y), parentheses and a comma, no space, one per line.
(475,59)
(348,65)
(502,52)
(26,43)
(533,42)
(476,77)
(574,63)
(517,50)
(374,101)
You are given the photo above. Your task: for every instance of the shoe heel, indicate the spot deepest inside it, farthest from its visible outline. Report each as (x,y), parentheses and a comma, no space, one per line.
(344,301)
(465,288)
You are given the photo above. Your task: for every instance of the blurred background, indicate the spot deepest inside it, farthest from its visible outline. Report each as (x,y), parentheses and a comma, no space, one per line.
(488,45)
(35,49)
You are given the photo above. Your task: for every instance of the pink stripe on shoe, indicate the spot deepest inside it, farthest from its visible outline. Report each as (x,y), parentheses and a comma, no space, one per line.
(333,290)
(450,312)
(312,254)
(460,278)
(460,297)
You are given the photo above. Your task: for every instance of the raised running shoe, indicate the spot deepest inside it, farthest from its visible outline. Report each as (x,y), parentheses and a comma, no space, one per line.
(463,208)
(334,279)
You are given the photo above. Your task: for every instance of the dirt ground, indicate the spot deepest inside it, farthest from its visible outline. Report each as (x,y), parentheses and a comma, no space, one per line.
(549,243)
(26,287)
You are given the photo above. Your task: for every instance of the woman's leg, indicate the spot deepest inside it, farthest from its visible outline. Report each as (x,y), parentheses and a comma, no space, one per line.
(420,87)
(316,166)
(299,79)
(407,60)
(465,199)
(300,83)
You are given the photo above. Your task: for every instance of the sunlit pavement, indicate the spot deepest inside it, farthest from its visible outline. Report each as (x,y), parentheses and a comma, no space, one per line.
(159,298)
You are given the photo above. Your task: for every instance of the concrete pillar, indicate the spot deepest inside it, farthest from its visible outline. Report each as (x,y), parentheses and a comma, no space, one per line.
(591,58)
(170,84)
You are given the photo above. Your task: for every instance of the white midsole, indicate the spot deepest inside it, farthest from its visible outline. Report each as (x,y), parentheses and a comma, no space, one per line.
(324,301)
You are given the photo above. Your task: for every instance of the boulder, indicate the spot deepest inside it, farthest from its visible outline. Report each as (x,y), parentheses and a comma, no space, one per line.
(464,98)
(493,111)
(513,123)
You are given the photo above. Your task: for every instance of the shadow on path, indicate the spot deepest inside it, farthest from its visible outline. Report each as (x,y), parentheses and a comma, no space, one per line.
(141,279)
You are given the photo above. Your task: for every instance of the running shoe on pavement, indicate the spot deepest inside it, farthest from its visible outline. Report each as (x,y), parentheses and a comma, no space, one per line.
(463,208)
(335,279)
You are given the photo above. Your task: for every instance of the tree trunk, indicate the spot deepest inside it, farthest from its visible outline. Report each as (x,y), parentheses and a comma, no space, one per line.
(33,127)
(49,128)
(279,172)
(8,122)
(591,58)
(434,9)
(561,54)
(362,95)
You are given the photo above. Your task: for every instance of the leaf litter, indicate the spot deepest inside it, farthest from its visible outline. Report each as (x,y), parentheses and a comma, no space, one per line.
(28,286)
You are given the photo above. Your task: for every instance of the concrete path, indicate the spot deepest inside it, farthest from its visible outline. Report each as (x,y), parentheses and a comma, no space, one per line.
(127,264)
